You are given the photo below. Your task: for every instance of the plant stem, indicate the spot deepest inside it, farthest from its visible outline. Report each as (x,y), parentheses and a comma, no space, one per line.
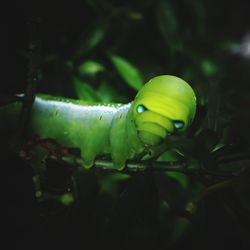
(33,66)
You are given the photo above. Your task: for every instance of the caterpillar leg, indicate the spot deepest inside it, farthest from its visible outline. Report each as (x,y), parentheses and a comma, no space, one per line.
(88,163)
(119,161)
(120,167)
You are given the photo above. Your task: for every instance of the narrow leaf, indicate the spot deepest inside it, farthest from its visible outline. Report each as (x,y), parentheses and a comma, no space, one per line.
(128,72)
(84,91)
(90,68)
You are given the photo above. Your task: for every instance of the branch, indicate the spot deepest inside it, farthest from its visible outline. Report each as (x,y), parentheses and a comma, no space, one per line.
(185,167)
(33,24)
(192,206)
(136,166)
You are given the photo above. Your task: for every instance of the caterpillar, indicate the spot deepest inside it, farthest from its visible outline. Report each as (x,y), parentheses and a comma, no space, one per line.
(165,104)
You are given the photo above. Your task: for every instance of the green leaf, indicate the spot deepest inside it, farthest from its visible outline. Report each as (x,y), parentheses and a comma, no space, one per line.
(170,155)
(128,72)
(168,24)
(180,228)
(84,91)
(95,36)
(208,67)
(67,199)
(166,184)
(180,177)
(90,68)
(107,93)
(110,183)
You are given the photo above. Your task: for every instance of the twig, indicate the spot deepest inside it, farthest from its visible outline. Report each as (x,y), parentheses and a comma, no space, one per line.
(136,166)
(191,207)
(33,67)
(234,157)
(184,167)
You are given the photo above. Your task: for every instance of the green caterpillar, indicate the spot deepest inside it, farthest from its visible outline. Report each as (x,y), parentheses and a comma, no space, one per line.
(123,131)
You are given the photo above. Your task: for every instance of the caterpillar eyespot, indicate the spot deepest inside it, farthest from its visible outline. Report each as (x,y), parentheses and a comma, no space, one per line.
(178,124)
(141,108)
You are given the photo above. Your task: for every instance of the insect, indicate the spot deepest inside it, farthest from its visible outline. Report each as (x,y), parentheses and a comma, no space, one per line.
(165,104)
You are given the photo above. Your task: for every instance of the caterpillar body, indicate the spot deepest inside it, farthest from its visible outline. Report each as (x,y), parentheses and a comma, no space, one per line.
(123,131)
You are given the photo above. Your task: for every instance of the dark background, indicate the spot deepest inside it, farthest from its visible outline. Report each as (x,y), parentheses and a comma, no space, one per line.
(207,43)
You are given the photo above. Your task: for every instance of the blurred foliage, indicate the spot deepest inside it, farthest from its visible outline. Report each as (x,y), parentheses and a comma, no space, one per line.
(104,50)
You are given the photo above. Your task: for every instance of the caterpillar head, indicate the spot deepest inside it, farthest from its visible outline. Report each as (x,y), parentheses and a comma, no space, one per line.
(165,104)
